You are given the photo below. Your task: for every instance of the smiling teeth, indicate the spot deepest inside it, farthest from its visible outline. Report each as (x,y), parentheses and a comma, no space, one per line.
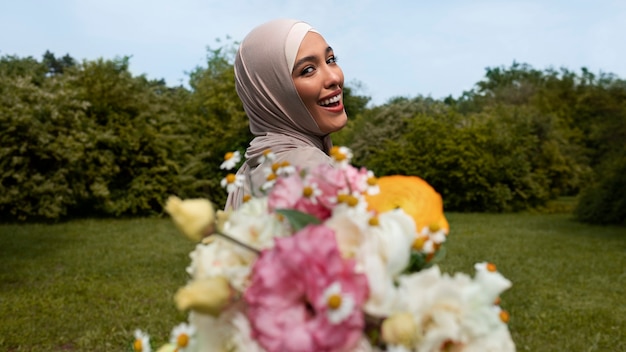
(334,99)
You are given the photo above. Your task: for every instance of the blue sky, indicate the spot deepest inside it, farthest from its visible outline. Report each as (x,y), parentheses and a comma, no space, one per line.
(393,48)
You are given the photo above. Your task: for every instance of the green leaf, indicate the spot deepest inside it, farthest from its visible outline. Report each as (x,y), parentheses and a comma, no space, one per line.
(440,254)
(298,219)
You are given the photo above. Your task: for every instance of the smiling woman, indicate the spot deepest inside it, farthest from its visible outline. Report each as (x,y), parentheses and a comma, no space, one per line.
(291,87)
(318,80)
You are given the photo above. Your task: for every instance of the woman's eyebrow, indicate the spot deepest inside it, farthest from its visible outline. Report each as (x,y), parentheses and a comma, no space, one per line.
(310,58)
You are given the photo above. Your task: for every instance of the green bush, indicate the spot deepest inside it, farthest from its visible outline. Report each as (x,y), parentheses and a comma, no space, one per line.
(91,141)
(604,202)
(42,140)
(479,162)
(132,155)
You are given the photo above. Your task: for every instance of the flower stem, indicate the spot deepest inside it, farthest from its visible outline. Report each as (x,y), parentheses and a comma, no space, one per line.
(239,243)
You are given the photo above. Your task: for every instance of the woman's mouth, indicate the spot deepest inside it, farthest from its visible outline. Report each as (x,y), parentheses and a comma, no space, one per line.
(330,102)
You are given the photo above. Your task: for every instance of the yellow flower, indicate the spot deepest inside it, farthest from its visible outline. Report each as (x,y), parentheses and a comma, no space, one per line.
(208,296)
(414,195)
(167,348)
(400,329)
(192,216)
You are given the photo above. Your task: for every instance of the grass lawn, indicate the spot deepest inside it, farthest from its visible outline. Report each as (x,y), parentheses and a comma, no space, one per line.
(86,285)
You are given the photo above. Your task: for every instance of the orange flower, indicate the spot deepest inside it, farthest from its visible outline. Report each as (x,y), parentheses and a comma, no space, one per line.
(415,196)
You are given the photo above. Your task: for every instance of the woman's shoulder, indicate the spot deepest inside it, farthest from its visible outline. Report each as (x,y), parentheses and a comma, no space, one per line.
(304,157)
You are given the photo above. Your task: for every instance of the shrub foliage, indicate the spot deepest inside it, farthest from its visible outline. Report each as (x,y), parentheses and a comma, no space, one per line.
(90,139)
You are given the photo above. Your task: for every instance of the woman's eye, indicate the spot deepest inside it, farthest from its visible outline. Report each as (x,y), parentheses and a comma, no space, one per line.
(331,60)
(307,70)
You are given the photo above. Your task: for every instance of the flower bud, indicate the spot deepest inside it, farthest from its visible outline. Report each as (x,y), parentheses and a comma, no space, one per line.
(207,296)
(399,329)
(191,216)
(167,348)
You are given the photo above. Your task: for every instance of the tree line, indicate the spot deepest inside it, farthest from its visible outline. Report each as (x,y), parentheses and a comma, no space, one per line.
(91,139)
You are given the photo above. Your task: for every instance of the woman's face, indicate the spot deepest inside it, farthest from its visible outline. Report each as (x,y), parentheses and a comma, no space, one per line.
(318,80)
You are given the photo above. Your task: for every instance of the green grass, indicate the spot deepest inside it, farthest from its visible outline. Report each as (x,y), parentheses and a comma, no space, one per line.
(86,285)
(569,279)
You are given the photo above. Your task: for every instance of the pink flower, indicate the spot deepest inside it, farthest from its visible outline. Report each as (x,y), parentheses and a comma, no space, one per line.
(292,192)
(333,181)
(285,193)
(289,307)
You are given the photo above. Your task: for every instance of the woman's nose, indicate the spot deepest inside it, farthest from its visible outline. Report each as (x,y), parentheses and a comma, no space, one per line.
(334,76)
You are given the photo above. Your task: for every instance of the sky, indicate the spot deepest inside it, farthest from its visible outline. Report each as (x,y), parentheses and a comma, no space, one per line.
(390,48)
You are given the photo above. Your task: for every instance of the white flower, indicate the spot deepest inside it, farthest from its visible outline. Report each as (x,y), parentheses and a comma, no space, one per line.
(349,231)
(213,333)
(340,305)
(498,340)
(342,156)
(285,170)
(267,156)
(437,303)
(381,251)
(231,159)
(231,182)
(455,310)
(270,181)
(254,225)
(393,237)
(435,234)
(242,335)
(310,190)
(371,184)
(250,224)
(278,169)
(397,348)
(353,203)
(491,282)
(182,335)
(219,258)
(142,342)
(429,239)
(428,247)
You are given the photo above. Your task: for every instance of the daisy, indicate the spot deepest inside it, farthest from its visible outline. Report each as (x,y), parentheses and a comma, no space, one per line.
(283,168)
(231,159)
(267,155)
(340,305)
(181,336)
(436,233)
(232,181)
(311,191)
(371,183)
(272,172)
(270,180)
(142,342)
(341,155)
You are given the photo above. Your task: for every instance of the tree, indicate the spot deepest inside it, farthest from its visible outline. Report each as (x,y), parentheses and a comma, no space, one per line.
(57,66)
(216,123)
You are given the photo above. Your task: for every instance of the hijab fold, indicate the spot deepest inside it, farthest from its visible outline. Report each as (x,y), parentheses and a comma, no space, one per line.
(278,118)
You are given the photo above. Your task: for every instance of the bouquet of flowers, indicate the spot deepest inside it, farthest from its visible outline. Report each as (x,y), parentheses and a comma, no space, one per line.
(329,259)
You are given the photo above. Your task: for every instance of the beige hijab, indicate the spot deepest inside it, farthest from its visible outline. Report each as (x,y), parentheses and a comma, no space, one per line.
(278,118)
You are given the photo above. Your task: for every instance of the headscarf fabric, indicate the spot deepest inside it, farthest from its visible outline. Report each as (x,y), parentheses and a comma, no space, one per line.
(278,118)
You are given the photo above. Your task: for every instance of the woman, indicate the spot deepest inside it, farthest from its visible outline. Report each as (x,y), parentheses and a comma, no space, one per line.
(290,84)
